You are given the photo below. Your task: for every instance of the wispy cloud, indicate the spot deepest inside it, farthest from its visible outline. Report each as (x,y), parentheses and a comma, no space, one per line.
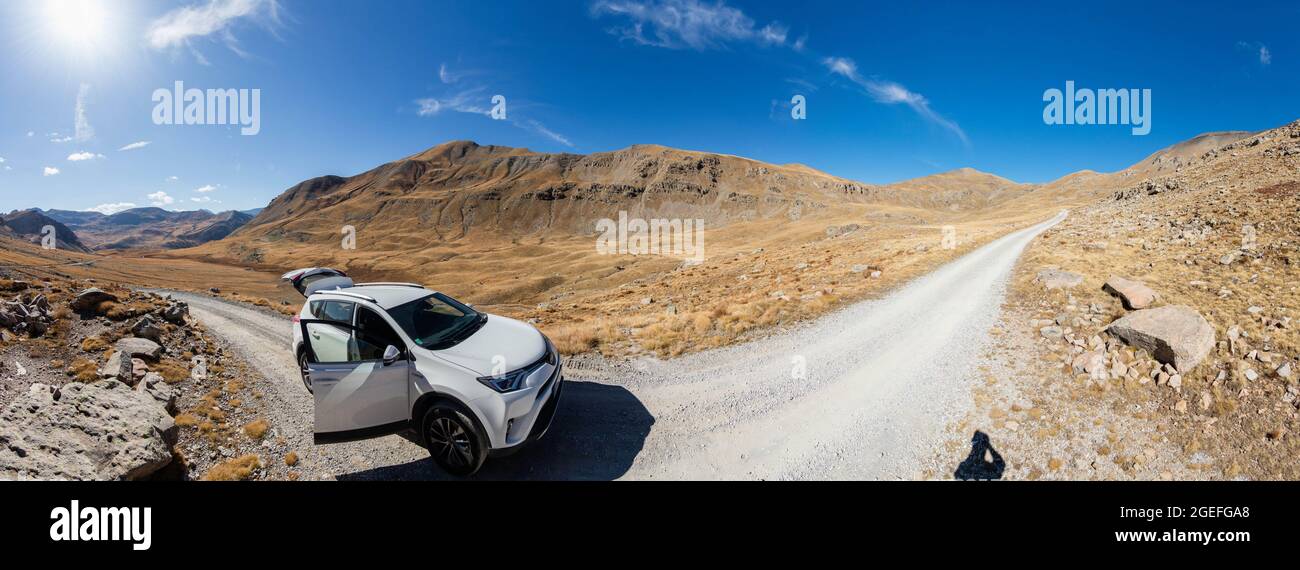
(135,145)
(50,171)
(890,93)
(205,189)
(179,28)
(466,101)
(112,208)
(548,133)
(83,155)
(688,24)
(160,198)
(173,178)
(83,131)
(204,200)
(1257,50)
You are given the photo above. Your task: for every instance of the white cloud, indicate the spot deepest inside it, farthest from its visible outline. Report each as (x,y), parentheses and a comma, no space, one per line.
(50,171)
(678,24)
(204,200)
(110,209)
(160,198)
(467,101)
(83,155)
(205,189)
(83,131)
(890,93)
(135,145)
(1259,50)
(542,130)
(55,138)
(31,133)
(2,160)
(180,27)
(173,178)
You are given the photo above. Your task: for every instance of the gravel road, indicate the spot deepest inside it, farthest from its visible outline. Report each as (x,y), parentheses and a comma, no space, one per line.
(863,393)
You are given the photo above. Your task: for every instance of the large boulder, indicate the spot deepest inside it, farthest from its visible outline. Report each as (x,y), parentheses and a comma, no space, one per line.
(1173,334)
(139,348)
(1134,294)
(99,431)
(1053,278)
(90,298)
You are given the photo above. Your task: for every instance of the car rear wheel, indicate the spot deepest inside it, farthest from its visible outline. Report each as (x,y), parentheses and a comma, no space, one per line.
(302,369)
(453,440)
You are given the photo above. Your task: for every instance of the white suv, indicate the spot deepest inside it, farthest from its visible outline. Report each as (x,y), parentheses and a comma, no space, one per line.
(383,358)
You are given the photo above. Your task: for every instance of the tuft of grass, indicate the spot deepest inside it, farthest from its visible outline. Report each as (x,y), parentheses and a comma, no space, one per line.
(237,469)
(256,429)
(84,370)
(291,459)
(171,371)
(187,420)
(94,344)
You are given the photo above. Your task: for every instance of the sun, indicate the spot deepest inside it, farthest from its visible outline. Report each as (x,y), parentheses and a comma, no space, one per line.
(83,26)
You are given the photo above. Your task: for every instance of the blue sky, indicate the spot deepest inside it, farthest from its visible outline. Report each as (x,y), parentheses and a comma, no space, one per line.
(893,90)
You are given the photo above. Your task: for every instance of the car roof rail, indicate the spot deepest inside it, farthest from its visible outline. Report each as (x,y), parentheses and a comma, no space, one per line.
(346,294)
(389,283)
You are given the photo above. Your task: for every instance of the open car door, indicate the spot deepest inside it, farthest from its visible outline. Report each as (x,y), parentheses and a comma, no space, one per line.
(363,395)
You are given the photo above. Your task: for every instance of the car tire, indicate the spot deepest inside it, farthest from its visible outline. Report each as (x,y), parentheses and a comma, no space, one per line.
(453,439)
(302,369)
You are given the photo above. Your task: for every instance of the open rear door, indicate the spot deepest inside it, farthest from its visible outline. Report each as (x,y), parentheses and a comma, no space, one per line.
(312,279)
(364,394)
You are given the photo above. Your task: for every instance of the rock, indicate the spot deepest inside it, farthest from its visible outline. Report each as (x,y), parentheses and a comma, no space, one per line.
(647,300)
(1053,278)
(98,431)
(146,327)
(1176,381)
(1173,334)
(154,385)
(1251,374)
(138,369)
(90,298)
(875,275)
(1230,257)
(176,312)
(139,347)
(118,367)
(1283,371)
(1050,332)
(1134,294)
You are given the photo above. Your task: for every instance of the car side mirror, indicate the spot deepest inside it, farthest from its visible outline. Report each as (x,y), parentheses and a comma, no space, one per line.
(391,354)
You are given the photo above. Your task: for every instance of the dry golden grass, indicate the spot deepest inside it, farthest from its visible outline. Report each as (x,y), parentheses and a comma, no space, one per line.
(237,469)
(84,370)
(256,429)
(291,459)
(94,344)
(172,371)
(186,419)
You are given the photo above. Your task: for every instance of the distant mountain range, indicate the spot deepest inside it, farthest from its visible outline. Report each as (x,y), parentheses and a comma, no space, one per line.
(151,228)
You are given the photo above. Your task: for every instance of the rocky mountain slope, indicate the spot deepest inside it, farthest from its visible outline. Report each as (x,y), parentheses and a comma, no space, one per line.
(1199,259)
(29,225)
(150,228)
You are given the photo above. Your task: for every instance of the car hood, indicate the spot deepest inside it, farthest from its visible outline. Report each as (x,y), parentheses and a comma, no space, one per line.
(518,343)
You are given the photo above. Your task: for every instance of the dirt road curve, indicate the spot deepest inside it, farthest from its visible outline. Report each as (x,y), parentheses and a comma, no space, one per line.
(882,379)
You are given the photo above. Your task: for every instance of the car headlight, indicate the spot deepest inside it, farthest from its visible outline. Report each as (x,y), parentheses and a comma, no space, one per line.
(511,381)
(508,382)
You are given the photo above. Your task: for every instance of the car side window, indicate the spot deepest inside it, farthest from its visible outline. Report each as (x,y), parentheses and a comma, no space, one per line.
(373,336)
(337,311)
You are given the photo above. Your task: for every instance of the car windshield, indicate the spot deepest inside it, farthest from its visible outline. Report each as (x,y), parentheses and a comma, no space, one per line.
(437,321)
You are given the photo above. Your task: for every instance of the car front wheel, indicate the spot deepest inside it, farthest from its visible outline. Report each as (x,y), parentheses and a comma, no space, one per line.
(454,443)
(302,368)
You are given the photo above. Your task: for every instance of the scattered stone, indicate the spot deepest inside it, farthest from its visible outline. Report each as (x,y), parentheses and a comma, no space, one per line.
(175,313)
(1175,334)
(1134,294)
(119,367)
(1251,374)
(146,327)
(1052,278)
(139,347)
(98,431)
(90,298)
(1050,332)
(1283,371)
(875,275)
(1230,257)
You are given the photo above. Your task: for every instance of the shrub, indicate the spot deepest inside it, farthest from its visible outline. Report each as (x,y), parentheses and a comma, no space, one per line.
(237,469)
